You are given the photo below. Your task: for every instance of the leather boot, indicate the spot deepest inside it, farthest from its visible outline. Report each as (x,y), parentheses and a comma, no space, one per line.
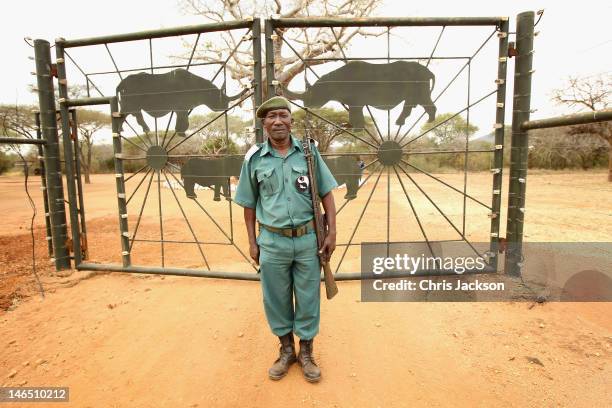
(286,357)
(311,372)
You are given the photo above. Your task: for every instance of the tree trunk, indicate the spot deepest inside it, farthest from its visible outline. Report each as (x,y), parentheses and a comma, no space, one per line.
(88,165)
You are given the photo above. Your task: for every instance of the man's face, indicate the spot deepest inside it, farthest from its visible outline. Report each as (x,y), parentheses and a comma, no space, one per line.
(277,124)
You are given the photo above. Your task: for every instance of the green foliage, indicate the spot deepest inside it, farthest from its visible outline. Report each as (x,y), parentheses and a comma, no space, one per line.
(6,162)
(448,130)
(219,145)
(325,133)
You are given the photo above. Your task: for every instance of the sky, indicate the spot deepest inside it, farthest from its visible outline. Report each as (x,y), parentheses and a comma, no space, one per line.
(573,41)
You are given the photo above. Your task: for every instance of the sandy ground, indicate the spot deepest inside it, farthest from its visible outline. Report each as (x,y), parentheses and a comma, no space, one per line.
(141,340)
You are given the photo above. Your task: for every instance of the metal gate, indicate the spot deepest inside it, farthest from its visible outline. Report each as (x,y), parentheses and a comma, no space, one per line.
(379,84)
(157,158)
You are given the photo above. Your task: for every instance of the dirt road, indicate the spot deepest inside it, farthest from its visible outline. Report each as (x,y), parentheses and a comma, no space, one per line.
(142,341)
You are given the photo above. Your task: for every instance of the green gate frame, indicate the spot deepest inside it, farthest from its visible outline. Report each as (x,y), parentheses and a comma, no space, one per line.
(48,133)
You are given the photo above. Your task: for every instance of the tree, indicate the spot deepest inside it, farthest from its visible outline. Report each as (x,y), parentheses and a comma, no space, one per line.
(89,122)
(451,132)
(218,145)
(320,130)
(18,121)
(309,42)
(592,93)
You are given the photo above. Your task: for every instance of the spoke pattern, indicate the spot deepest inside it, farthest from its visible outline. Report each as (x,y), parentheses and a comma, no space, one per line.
(358,222)
(439,210)
(195,238)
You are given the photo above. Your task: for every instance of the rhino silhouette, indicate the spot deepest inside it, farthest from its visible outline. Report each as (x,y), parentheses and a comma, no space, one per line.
(176,91)
(382,86)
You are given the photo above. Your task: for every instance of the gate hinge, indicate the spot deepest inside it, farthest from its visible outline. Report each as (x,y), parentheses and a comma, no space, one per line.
(512,51)
(53,70)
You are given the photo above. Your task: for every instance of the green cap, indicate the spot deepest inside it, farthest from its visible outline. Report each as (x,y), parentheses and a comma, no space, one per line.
(276,102)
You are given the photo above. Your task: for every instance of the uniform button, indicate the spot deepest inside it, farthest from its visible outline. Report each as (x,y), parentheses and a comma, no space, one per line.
(288,198)
(286,179)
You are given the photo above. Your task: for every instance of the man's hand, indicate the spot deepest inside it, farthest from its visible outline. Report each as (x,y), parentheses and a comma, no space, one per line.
(254,252)
(329,246)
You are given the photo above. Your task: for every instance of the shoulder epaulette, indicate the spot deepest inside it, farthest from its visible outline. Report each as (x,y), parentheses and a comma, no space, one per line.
(252,151)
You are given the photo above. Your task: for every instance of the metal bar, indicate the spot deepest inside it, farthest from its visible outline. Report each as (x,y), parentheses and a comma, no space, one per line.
(211,80)
(156,67)
(498,156)
(137,187)
(467,145)
(520,147)
(137,171)
(445,183)
(435,46)
(159,33)
(257,79)
(120,183)
(388,207)
(207,123)
(439,210)
(450,83)
(388,110)
(161,221)
(338,43)
(332,123)
(103,100)
(375,125)
(347,276)
(431,55)
(385,21)
(450,118)
(24,140)
(218,226)
(416,216)
(308,67)
(297,54)
(55,190)
(43,182)
(84,74)
(144,201)
(448,151)
(358,222)
(114,63)
(358,187)
(169,241)
(187,221)
(79,184)
(380,58)
(268,32)
(568,120)
(193,49)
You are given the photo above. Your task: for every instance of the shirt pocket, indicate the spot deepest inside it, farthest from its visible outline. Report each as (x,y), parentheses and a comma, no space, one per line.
(298,171)
(268,183)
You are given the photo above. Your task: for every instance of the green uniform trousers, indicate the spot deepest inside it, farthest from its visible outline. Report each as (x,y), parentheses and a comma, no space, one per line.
(290,266)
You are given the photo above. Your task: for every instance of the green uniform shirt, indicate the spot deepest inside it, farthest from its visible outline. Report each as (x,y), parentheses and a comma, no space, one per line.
(268,184)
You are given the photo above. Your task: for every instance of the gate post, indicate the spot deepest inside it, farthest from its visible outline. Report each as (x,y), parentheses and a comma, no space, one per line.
(519,147)
(53,170)
(68,151)
(41,159)
(498,156)
(120,182)
(257,58)
(270,88)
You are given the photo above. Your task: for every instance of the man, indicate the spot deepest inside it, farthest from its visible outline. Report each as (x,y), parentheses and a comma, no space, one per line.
(274,189)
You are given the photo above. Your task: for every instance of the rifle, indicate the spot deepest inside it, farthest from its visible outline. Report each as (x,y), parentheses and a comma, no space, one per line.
(320,223)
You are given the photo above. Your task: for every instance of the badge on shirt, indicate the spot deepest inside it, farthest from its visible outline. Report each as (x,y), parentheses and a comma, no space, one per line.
(302,183)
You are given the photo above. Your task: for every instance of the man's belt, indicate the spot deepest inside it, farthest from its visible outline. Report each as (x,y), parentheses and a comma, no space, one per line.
(290,232)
